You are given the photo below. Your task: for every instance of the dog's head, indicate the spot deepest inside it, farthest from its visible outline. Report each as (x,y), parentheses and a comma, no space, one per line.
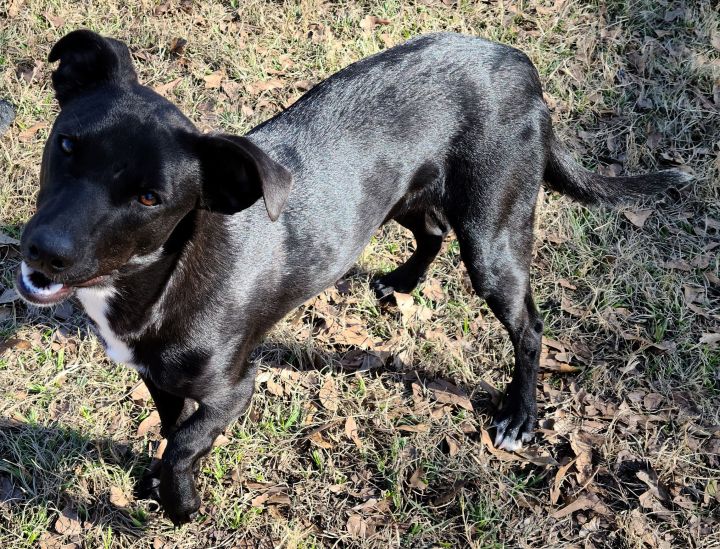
(121,168)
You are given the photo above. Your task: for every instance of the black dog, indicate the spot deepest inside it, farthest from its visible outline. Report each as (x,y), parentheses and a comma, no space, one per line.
(160,230)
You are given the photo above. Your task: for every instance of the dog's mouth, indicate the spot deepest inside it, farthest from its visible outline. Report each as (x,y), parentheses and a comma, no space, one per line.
(36,288)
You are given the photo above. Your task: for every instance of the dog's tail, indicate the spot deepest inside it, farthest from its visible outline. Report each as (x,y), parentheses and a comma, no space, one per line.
(565,175)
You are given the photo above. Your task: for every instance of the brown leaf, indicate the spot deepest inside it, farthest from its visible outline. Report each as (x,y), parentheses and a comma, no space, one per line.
(7,240)
(164,89)
(351,430)
(318,440)
(369,22)
(419,428)
(565,283)
(447,393)
(433,290)
(652,401)
(587,502)
(117,497)
(221,440)
(710,338)
(639,217)
(68,523)
(453,446)
(568,306)
(214,80)
(275,388)
(55,20)
(357,526)
(177,46)
(264,85)
(583,463)
(679,264)
(29,133)
(139,393)
(329,395)
(406,304)
(14,8)
(148,423)
(559,476)
(416,479)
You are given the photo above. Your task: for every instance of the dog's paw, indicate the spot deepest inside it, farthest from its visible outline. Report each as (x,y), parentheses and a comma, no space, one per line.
(514,425)
(391,282)
(183,511)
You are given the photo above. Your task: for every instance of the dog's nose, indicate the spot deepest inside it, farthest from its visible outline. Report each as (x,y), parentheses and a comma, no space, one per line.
(49,251)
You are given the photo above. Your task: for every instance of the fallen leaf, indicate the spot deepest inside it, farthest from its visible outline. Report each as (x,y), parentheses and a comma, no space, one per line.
(679,264)
(559,476)
(29,133)
(214,79)
(55,20)
(639,217)
(139,393)
(419,428)
(6,240)
(9,296)
(447,393)
(177,46)
(117,497)
(416,481)
(164,89)
(588,502)
(453,446)
(14,8)
(652,401)
(583,462)
(369,22)
(221,440)
(710,338)
(318,440)
(275,388)
(68,522)
(357,526)
(148,423)
(406,305)
(351,430)
(433,290)
(328,395)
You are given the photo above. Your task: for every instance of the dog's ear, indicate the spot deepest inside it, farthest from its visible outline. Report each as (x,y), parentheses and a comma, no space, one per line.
(88,60)
(236,173)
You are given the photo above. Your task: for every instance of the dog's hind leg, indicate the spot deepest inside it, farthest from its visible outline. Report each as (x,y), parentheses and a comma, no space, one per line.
(429,232)
(492,209)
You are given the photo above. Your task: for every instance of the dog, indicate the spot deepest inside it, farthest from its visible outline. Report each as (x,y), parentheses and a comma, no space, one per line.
(185,248)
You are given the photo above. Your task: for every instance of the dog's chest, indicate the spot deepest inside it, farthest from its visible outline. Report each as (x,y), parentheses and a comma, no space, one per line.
(96,304)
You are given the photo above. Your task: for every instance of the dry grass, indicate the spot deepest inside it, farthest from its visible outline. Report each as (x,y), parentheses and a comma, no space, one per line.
(629,446)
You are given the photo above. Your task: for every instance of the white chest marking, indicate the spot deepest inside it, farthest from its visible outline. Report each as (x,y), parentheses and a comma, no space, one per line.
(95,301)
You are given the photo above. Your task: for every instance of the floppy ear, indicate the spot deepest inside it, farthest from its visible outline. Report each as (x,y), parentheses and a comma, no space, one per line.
(88,60)
(236,173)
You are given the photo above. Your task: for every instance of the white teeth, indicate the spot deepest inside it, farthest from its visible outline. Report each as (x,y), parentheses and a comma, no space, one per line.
(53,288)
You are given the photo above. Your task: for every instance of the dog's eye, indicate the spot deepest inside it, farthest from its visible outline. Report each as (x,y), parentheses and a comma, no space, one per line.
(149,199)
(67,145)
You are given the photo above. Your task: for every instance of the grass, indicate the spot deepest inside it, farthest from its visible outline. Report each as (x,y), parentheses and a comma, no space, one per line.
(630,82)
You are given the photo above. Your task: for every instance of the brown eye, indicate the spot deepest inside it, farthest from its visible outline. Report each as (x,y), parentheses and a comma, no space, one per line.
(149,199)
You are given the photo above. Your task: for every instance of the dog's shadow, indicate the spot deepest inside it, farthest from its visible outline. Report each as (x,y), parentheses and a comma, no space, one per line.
(37,463)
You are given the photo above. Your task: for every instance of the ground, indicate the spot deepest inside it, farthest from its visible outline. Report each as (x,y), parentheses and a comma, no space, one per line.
(371,424)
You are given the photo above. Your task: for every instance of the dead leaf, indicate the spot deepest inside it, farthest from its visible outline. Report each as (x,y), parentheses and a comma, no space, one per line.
(221,440)
(419,428)
(453,446)
(177,46)
(447,393)
(559,476)
(351,430)
(587,502)
(275,388)
(433,290)
(29,133)
(55,20)
(357,526)
(652,401)
(369,22)
(639,217)
(318,440)
(406,305)
(148,423)
(14,8)
(568,306)
(139,393)
(6,240)
(214,80)
(117,497)
(565,283)
(416,479)
(329,395)
(68,523)
(264,85)
(583,462)
(9,296)
(710,338)
(164,89)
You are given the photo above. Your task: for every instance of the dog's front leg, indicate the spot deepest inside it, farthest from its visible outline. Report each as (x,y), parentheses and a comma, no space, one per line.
(193,439)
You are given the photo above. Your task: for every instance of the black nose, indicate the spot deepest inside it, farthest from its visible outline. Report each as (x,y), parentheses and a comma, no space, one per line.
(48,250)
